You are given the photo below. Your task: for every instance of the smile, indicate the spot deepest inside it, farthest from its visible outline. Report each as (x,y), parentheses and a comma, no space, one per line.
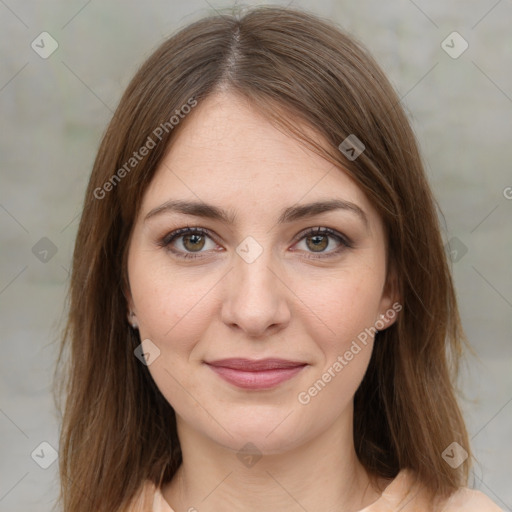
(254,374)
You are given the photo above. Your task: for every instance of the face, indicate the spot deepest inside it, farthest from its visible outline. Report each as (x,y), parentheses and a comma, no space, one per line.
(288,294)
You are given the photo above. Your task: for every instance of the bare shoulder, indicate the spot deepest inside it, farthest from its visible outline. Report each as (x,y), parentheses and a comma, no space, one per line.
(470,500)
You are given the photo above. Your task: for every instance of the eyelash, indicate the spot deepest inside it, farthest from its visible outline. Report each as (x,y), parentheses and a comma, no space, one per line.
(166,241)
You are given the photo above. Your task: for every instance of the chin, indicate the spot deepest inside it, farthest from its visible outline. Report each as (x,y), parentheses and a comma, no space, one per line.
(259,443)
(269,435)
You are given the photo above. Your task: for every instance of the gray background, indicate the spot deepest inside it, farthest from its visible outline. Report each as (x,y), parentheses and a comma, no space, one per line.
(54,111)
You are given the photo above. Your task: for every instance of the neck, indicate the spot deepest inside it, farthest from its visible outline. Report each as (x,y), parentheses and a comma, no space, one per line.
(322,474)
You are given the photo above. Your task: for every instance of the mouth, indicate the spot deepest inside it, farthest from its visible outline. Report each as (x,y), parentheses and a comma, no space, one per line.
(256,374)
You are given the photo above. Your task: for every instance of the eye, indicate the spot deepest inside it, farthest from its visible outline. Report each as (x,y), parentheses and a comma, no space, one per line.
(188,243)
(317,240)
(185,242)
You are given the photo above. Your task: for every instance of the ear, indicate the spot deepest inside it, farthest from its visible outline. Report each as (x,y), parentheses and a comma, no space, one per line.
(390,303)
(131,315)
(132,319)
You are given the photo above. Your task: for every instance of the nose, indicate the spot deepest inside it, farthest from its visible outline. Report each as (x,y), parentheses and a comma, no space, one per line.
(256,297)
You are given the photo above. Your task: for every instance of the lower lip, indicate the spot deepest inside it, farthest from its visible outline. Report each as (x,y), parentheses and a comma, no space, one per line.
(263,379)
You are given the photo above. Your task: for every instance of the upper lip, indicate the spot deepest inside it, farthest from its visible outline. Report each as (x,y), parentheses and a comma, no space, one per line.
(254,365)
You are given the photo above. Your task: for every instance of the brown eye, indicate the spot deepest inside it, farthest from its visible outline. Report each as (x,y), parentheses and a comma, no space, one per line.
(318,242)
(188,242)
(193,242)
(323,243)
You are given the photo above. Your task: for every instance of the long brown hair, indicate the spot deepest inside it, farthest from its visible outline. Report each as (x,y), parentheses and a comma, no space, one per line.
(117,428)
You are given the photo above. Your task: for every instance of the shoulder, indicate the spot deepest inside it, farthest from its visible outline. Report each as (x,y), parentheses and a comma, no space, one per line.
(149,499)
(154,499)
(399,495)
(407,494)
(469,500)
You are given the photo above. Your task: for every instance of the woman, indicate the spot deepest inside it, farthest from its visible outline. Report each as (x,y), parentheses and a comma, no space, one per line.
(261,312)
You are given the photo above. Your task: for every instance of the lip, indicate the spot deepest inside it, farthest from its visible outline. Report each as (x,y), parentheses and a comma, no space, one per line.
(256,374)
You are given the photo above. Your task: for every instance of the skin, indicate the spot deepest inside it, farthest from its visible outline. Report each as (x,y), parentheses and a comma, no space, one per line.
(283,304)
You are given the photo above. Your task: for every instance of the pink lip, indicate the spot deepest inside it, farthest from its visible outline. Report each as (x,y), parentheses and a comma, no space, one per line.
(256,374)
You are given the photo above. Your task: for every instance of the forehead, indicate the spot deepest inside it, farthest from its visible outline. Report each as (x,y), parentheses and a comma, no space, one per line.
(229,154)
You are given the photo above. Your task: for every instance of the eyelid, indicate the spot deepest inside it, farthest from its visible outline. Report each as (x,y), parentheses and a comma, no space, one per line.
(169,237)
(345,242)
(324,230)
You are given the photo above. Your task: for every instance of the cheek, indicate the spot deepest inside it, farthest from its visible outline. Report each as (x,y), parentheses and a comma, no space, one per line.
(173,311)
(172,307)
(347,309)
(345,306)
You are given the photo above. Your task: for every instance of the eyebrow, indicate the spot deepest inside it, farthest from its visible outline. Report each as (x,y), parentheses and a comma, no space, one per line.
(290,214)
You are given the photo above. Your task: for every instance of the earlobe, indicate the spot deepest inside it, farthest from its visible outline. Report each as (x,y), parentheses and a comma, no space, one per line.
(390,303)
(132,319)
